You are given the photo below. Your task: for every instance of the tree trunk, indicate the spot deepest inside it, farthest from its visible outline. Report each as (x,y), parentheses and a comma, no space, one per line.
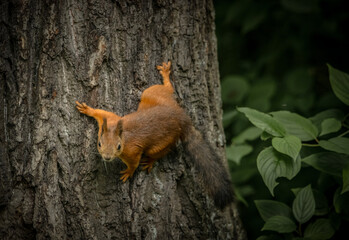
(54,184)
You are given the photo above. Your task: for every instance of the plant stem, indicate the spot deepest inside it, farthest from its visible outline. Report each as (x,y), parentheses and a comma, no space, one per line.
(346,116)
(343,134)
(310,145)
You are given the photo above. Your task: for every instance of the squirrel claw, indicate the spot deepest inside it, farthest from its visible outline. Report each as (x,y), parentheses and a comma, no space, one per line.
(126,174)
(125,177)
(165,68)
(147,164)
(148,167)
(82,107)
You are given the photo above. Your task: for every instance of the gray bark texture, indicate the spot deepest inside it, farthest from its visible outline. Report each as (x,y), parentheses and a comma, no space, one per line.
(54,184)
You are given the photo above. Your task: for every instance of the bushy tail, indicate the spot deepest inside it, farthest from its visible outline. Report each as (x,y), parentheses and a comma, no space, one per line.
(214,175)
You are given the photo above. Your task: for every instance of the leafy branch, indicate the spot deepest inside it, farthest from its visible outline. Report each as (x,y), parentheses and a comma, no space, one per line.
(289,132)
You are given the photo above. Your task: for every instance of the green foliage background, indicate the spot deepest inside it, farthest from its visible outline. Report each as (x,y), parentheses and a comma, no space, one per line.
(273,57)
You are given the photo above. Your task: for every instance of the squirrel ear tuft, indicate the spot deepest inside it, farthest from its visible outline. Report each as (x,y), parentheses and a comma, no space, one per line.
(104,126)
(119,128)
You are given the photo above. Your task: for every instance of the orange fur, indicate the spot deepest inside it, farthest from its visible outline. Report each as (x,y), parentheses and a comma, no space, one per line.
(144,136)
(152,144)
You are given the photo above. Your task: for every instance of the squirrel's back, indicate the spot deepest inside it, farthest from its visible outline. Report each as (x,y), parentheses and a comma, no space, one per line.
(154,129)
(157,95)
(165,126)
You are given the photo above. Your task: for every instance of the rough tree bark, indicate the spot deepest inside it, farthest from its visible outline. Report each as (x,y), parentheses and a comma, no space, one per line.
(53,183)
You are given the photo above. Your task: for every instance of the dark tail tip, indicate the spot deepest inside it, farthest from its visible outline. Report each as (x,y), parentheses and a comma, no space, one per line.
(223,195)
(214,175)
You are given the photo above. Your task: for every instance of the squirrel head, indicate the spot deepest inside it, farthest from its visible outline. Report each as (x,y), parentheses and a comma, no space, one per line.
(110,144)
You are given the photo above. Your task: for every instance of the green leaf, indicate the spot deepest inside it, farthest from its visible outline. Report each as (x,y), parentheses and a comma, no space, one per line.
(272,164)
(248,135)
(289,145)
(264,121)
(296,125)
(321,205)
(265,136)
(295,191)
(320,229)
(338,144)
(270,208)
(340,202)
(345,179)
(234,89)
(303,206)
(236,152)
(340,83)
(330,125)
(328,162)
(330,113)
(280,224)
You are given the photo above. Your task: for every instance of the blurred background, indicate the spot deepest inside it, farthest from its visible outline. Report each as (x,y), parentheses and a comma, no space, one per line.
(273,56)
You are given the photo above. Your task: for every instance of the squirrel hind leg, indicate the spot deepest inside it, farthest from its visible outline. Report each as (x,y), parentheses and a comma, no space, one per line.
(147,164)
(165,70)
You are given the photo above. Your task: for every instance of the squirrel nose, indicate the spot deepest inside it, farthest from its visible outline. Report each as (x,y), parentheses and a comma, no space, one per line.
(107,158)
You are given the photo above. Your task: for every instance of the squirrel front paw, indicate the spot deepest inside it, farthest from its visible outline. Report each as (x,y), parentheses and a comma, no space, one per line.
(126,174)
(83,108)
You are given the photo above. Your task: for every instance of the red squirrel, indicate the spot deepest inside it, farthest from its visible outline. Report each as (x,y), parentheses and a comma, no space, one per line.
(144,136)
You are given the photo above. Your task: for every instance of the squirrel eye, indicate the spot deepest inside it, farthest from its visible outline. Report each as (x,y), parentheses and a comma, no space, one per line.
(119,146)
(99,144)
